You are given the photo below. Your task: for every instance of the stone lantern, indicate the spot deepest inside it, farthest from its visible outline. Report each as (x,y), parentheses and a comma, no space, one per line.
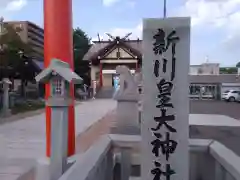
(59,75)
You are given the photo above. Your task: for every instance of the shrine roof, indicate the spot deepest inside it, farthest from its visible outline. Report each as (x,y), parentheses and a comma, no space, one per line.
(98,46)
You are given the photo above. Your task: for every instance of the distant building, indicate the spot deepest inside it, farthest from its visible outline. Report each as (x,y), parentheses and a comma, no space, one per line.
(31,34)
(207,80)
(205,69)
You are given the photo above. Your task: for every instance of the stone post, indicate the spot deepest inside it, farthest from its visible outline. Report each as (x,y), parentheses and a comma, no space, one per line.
(164,127)
(59,134)
(5,110)
(127,103)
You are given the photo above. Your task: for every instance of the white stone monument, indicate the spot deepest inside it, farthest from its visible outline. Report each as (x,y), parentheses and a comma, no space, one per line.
(164,127)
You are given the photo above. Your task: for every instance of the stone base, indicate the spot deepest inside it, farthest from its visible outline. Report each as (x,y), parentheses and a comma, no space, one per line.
(5,113)
(43,167)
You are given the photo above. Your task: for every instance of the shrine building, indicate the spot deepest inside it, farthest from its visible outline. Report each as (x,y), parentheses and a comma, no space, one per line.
(105,56)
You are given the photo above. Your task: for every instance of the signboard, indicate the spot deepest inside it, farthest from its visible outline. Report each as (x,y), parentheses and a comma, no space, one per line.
(166,56)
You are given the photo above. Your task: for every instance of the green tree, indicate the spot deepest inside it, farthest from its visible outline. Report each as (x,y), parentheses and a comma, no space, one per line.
(81,45)
(238,65)
(11,44)
(231,70)
(10,55)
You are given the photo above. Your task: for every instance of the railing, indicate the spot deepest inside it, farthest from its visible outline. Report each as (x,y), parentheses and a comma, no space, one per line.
(115,157)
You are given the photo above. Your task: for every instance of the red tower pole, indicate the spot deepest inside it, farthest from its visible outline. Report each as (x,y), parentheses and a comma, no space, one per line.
(58,43)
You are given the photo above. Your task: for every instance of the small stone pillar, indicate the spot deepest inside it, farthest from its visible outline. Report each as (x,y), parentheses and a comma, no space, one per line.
(5,109)
(127,98)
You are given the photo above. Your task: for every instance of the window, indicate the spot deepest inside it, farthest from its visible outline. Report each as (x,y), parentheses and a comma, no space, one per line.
(57,87)
(34,33)
(35,39)
(34,26)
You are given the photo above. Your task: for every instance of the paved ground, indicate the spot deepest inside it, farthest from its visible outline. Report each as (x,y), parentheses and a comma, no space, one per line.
(215,107)
(26,138)
(229,136)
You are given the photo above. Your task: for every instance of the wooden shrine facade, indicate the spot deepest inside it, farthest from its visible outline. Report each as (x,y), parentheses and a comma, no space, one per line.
(105,56)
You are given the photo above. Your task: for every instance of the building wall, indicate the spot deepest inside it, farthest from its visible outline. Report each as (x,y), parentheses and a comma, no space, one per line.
(210,68)
(32,35)
(35,38)
(205,69)
(94,72)
(194,70)
(107,80)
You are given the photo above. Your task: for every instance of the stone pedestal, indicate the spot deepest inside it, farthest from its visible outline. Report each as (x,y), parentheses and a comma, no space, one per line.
(127,104)
(43,167)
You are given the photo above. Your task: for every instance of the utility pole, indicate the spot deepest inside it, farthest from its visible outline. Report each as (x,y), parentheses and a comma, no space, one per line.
(164,8)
